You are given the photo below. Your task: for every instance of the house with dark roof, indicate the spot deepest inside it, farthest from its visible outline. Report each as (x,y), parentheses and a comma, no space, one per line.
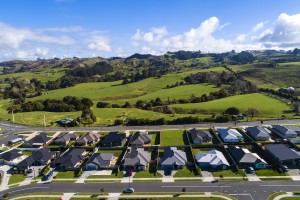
(99,161)
(64,139)
(230,135)
(88,139)
(283,154)
(244,158)
(11,157)
(41,157)
(173,158)
(258,133)
(200,136)
(286,131)
(136,159)
(70,160)
(7,139)
(114,139)
(140,139)
(38,141)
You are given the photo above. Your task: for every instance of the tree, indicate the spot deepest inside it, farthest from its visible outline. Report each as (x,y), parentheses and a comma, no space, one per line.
(232,111)
(126,105)
(253,112)
(102,191)
(183,189)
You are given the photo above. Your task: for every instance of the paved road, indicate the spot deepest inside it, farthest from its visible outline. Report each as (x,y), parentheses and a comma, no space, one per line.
(16,127)
(246,190)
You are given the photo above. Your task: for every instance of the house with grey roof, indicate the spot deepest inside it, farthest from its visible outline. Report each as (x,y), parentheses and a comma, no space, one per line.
(65,138)
(70,160)
(258,133)
(212,159)
(8,139)
(244,158)
(38,141)
(88,139)
(140,139)
(113,139)
(200,136)
(283,154)
(289,132)
(99,161)
(40,157)
(230,135)
(11,157)
(173,158)
(136,159)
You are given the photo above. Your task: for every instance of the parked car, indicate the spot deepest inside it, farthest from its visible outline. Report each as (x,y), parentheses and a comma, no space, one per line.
(285,168)
(250,170)
(29,171)
(128,190)
(48,176)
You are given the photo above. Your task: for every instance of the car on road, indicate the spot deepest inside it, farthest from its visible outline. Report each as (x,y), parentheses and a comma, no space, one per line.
(285,168)
(128,190)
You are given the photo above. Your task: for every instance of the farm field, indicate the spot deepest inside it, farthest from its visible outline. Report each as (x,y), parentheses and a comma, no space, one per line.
(268,106)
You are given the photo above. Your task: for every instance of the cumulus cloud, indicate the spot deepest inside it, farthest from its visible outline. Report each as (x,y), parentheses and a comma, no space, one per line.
(153,36)
(99,43)
(284,34)
(241,38)
(259,26)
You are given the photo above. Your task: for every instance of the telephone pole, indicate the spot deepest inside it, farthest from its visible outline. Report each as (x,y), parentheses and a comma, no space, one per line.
(13,116)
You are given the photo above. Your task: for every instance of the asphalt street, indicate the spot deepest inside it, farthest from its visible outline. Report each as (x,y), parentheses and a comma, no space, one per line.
(243,189)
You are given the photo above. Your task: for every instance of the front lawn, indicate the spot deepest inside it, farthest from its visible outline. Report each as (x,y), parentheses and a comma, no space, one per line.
(16,178)
(116,153)
(268,172)
(113,175)
(27,153)
(147,174)
(185,172)
(172,137)
(226,173)
(67,174)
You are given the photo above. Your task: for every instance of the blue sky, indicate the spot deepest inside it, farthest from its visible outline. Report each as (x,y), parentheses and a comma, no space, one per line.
(86,28)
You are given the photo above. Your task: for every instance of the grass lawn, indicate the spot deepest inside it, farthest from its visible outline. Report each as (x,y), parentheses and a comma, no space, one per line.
(185,172)
(16,178)
(172,137)
(147,174)
(272,196)
(268,172)
(51,133)
(116,153)
(155,141)
(226,173)
(67,174)
(113,175)
(27,153)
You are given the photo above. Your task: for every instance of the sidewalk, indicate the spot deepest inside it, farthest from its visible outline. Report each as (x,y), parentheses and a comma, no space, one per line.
(5,178)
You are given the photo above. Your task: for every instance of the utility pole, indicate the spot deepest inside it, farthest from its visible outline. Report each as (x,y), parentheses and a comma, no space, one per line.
(13,116)
(44,119)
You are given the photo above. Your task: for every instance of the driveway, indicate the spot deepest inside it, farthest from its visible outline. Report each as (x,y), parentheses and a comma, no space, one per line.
(35,173)
(251,177)
(295,174)
(167,178)
(84,175)
(207,176)
(5,177)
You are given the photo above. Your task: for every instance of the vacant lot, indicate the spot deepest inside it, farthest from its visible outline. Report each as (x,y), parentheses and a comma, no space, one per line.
(172,137)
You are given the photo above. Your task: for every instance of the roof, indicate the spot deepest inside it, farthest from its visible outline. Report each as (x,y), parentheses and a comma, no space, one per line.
(70,158)
(243,155)
(41,154)
(16,140)
(11,155)
(284,130)
(89,137)
(282,152)
(173,156)
(101,159)
(113,137)
(137,156)
(41,138)
(141,138)
(293,128)
(213,157)
(6,138)
(258,131)
(229,133)
(199,134)
(66,137)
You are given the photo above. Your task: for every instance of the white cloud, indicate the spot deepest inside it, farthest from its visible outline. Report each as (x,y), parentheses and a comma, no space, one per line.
(99,43)
(241,38)
(259,26)
(154,36)
(61,29)
(284,34)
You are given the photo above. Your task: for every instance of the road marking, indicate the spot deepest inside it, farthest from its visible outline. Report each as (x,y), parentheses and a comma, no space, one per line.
(280,185)
(196,186)
(242,195)
(27,189)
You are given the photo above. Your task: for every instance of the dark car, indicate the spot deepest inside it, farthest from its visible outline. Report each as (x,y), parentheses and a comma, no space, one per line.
(128,190)
(48,176)
(168,172)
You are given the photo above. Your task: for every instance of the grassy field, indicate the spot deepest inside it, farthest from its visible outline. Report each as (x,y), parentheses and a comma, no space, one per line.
(268,172)
(172,137)
(16,178)
(185,172)
(67,174)
(116,153)
(268,106)
(147,174)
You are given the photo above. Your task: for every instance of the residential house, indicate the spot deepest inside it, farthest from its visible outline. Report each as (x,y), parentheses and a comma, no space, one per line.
(11,157)
(286,131)
(114,139)
(212,159)
(6,139)
(173,158)
(258,133)
(244,158)
(38,141)
(140,139)
(64,139)
(230,135)
(41,157)
(88,139)
(70,160)
(283,154)
(136,159)
(200,136)
(99,161)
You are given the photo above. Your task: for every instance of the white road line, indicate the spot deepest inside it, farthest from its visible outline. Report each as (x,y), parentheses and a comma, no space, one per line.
(280,185)
(27,189)
(242,195)
(187,186)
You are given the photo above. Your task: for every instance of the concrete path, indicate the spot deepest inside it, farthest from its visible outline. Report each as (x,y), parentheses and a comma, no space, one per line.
(207,176)
(128,179)
(113,196)
(84,175)
(103,172)
(5,178)
(288,194)
(295,174)
(67,196)
(168,178)
(251,177)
